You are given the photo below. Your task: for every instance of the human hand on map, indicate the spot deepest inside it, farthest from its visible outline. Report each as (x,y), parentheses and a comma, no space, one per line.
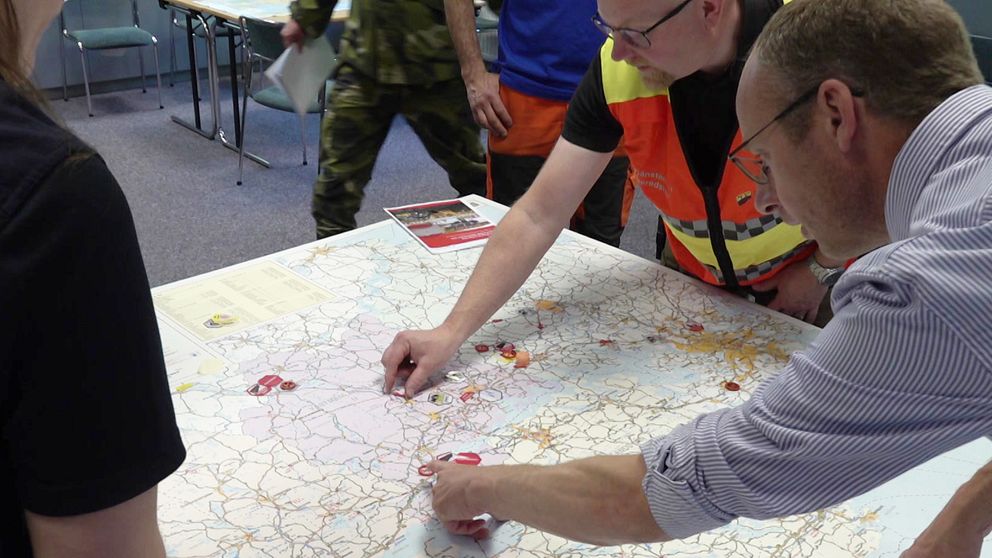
(460,494)
(292,35)
(415,355)
(799,293)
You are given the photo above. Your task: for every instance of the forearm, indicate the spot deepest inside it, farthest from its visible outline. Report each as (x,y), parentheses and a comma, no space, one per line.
(525,234)
(511,254)
(460,15)
(598,500)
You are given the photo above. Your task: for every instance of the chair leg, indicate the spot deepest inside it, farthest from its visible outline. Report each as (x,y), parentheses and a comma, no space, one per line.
(141,66)
(65,81)
(86,79)
(172,47)
(158,71)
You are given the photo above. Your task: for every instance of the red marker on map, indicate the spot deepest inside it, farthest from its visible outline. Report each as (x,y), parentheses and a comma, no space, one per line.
(464,458)
(467,458)
(270,380)
(258,390)
(264,385)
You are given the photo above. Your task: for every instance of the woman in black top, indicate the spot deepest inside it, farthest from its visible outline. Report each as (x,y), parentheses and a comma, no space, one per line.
(87,428)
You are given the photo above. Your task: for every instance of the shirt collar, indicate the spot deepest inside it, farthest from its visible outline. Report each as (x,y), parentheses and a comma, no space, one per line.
(923,151)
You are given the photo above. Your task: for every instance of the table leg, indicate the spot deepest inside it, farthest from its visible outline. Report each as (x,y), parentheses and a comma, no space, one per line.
(197,126)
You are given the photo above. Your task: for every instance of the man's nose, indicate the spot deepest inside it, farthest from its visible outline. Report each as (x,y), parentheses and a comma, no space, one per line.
(765,199)
(621,50)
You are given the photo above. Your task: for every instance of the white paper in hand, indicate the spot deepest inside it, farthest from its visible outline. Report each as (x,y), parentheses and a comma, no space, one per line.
(301,74)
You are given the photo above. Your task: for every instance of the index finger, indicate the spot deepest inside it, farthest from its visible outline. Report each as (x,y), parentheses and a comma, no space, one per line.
(494,123)
(395,354)
(504,115)
(437,466)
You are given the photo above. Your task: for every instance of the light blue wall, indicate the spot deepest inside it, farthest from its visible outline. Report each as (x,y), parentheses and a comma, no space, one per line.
(111,65)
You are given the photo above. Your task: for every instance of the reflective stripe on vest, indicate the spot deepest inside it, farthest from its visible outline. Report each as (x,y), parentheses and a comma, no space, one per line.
(759,245)
(750,274)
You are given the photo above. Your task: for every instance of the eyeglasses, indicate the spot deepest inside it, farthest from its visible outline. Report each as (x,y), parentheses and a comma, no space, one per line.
(754,167)
(634,37)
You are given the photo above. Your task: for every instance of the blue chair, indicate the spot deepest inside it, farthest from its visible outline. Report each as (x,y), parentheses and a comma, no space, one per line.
(105,38)
(261,43)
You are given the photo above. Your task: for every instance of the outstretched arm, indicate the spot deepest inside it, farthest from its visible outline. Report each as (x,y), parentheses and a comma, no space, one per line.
(518,244)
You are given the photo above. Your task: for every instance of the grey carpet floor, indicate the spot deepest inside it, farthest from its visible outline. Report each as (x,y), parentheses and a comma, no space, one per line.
(190,215)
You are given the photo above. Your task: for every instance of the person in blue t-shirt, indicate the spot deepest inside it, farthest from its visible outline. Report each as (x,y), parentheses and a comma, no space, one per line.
(545,47)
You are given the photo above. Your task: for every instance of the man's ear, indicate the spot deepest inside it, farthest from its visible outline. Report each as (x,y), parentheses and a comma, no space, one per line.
(837,105)
(712,10)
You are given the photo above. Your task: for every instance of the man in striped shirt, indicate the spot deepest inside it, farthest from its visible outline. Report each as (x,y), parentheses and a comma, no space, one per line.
(873,130)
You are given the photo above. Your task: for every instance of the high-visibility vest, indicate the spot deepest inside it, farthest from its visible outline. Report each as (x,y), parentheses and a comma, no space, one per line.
(703,226)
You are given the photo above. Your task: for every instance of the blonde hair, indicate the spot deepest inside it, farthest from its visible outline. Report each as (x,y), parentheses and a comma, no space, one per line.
(907,56)
(12,59)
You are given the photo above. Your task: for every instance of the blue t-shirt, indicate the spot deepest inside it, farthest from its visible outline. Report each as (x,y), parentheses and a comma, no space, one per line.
(545,46)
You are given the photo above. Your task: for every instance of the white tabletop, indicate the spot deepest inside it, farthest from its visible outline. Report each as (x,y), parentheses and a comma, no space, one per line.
(330,467)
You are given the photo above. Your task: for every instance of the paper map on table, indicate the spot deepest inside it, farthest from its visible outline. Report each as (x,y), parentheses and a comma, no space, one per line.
(621,351)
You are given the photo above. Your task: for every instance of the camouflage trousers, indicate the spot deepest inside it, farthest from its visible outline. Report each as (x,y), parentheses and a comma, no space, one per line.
(360,112)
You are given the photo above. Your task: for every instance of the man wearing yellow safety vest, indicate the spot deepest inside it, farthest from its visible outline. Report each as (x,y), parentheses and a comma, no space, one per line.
(666,83)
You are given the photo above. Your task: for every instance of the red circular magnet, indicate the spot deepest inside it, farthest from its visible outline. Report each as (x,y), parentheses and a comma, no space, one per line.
(482,348)
(288,385)
(731,386)
(424,471)
(466,458)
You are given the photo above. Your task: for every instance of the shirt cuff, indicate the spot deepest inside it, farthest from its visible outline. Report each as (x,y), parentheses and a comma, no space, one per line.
(678,508)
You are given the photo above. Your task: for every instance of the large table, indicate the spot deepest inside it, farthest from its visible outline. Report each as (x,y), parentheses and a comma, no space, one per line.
(622,350)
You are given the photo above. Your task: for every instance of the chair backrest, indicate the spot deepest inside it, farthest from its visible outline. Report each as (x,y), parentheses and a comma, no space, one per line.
(261,39)
(135,20)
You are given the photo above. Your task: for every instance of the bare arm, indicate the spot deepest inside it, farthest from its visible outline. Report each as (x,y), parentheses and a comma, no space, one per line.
(482,87)
(516,247)
(125,530)
(959,529)
(598,500)
(460,15)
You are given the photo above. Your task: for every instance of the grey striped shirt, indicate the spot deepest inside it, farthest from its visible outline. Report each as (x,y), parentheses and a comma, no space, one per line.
(900,375)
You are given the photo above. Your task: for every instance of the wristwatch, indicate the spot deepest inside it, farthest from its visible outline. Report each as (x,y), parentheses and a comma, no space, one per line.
(826,276)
